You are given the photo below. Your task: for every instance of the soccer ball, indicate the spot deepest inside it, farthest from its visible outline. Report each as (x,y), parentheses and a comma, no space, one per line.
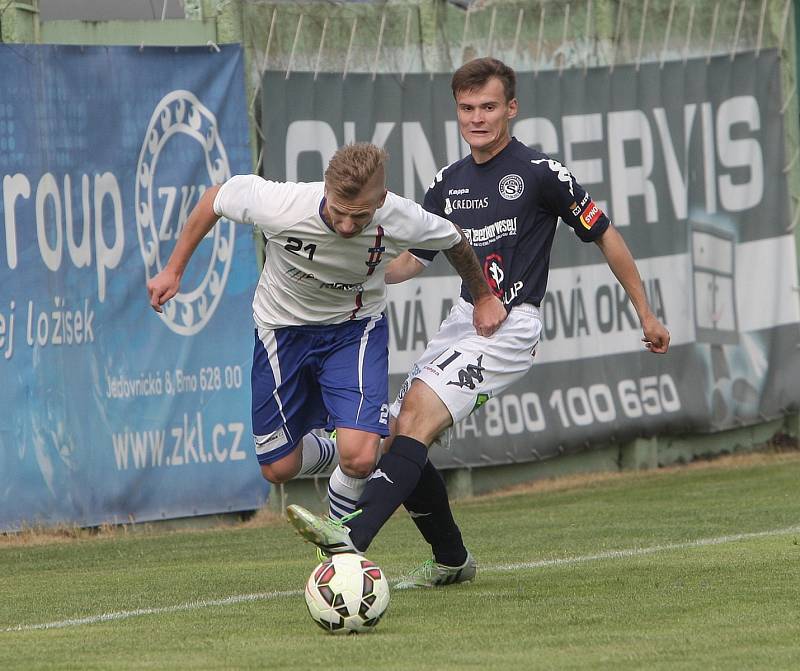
(347,594)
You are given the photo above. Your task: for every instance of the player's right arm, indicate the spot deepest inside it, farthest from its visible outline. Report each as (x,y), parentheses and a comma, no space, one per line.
(199,222)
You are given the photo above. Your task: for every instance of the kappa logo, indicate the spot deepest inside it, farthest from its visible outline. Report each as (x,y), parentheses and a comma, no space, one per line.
(415,516)
(378,473)
(511,187)
(468,376)
(438,177)
(562,173)
(162,205)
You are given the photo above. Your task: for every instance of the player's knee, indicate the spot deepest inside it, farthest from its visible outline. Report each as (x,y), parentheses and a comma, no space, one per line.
(406,420)
(412,410)
(275,474)
(423,415)
(358,465)
(423,428)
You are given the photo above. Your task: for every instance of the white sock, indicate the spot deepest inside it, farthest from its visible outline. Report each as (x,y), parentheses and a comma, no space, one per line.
(319,455)
(343,493)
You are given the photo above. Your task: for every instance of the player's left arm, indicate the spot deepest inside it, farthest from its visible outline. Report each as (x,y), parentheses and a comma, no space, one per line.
(489,312)
(403,268)
(620,260)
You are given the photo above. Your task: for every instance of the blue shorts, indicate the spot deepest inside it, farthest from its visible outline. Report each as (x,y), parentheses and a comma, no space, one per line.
(310,377)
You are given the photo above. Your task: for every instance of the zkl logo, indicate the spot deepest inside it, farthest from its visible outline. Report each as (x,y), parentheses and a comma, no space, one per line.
(180,114)
(467,377)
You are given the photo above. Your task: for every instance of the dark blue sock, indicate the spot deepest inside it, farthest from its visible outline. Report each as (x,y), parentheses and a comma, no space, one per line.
(429,507)
(394,478)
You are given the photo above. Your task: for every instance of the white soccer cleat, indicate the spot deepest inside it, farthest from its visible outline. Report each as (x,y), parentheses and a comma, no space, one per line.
(330,536)
(432,574)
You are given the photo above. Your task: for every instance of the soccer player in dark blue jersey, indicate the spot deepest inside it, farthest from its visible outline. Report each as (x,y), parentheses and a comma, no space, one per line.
(507,198)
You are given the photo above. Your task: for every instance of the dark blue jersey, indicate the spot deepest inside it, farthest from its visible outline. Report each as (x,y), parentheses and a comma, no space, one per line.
(508,208)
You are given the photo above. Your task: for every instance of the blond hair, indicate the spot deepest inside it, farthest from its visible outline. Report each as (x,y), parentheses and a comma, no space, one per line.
(352,166)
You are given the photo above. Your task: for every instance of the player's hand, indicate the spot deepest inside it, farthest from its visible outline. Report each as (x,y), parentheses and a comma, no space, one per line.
(163,287)
(656,335)
(488,315)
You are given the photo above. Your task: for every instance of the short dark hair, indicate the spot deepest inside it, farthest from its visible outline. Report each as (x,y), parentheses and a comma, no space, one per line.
(476,73)
(352,166)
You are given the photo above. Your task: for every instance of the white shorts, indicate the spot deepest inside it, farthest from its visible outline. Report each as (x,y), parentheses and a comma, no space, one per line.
(464,369)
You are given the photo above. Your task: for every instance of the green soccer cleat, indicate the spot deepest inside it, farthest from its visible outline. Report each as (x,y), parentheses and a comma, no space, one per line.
(330,536)
(432,574)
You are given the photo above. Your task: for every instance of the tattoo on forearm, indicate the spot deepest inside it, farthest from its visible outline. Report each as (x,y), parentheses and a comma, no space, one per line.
(463,259)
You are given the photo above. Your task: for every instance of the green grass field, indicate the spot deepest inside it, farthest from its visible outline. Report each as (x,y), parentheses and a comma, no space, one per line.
(694,568)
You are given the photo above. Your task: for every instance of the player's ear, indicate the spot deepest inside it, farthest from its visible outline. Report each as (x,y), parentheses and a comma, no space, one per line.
(512,109)
(383,199)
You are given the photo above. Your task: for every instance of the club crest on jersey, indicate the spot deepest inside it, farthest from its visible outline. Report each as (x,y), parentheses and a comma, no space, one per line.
(376,251)
(493,271)
(511,187)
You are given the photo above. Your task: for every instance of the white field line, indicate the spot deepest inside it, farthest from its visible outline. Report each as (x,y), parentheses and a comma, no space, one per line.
(125,614)
(497,568)
(638,552)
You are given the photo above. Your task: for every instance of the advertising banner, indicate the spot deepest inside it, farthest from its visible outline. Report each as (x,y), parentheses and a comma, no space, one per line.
(108,412)
(687,159)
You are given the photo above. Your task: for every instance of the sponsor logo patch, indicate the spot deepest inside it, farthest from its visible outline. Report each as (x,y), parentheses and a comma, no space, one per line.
(590,215)
(493,271)
(488,234)
(271,441)
(451,204)
(341,286)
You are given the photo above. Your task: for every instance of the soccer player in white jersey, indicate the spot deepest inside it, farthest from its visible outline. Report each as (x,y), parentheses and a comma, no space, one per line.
(321,342)
(507,198)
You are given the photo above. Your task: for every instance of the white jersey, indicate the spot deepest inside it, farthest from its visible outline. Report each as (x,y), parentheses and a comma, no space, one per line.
(311,274)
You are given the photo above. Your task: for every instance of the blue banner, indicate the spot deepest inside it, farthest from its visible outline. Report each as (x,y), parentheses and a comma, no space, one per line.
(108,412)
